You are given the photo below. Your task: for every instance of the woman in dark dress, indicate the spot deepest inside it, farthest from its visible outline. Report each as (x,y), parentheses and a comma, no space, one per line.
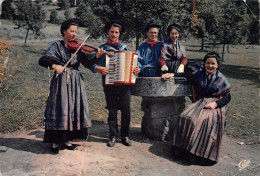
(173,55)
(67,112)
(199,129)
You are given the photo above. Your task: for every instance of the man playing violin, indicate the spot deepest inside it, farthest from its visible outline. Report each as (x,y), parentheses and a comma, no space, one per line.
(117,96)
(67,113)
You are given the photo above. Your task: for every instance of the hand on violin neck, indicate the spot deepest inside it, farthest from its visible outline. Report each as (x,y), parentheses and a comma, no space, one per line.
(58,68)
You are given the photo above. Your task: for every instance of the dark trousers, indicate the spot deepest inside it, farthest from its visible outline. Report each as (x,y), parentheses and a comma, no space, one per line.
(118,98)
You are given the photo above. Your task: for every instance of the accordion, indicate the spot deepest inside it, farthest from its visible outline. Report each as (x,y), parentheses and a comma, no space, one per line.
(121,65)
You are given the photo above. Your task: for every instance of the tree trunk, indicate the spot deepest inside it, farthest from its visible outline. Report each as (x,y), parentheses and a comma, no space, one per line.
(137,41)
(214,44)
(228,48)
(26,35)
(136,28)
(202,44)
(223,52)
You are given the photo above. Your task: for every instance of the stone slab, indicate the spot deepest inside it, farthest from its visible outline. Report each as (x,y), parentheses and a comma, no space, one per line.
(156,87)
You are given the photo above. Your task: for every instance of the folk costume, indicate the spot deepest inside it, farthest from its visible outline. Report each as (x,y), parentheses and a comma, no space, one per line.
(199,131)
(173,55)
(117,96)
(149,52)
(67,111)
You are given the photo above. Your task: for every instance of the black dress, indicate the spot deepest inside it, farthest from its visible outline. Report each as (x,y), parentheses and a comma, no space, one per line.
(67,111)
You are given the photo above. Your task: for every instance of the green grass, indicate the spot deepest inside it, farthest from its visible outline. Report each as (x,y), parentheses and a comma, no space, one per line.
(23,97)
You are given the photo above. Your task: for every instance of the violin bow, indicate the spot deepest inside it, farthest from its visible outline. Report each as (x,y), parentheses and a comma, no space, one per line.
(76,52)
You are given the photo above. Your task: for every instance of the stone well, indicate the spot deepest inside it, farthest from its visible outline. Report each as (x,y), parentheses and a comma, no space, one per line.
(162,102)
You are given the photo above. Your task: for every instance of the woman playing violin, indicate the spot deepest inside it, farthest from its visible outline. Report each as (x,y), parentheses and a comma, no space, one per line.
(67,113)
(117,96)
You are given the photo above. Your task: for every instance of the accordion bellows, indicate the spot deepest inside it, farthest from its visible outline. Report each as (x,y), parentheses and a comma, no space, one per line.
(121,65)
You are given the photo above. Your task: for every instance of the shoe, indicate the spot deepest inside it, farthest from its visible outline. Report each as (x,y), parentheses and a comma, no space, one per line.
(126,141)
(55,150)
(111,142)
(70,146)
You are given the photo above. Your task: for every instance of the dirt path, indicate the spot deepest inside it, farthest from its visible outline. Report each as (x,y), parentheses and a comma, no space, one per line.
(25,155)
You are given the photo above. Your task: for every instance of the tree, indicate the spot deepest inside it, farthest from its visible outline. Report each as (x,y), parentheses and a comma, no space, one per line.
(67,14)
(29,17)
(64,4)
(87,19)
(253,11)
(209,14)
(225,21)
(54,17)
(253,36)
(234,25)
(7,11)
(136,14)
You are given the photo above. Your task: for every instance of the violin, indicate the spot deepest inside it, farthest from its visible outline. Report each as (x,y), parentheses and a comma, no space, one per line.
(75,44)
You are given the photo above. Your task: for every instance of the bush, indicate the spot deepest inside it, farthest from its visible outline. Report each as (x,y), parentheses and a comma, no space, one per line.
(54,17)
(4,52)
(67,14)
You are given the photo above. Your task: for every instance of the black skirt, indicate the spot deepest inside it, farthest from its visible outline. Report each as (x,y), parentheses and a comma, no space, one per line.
(63,136)
(173,65)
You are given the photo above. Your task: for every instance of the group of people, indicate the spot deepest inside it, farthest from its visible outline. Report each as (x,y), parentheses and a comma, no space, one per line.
(156,58)
(199,129)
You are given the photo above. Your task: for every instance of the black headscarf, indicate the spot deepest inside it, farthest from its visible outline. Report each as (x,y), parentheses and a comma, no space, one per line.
(213,55)
(66,24)
(114,23)
(151,25)
(173,26)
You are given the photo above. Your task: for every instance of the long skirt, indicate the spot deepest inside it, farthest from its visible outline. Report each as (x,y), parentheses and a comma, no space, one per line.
(67,113)
(199,130)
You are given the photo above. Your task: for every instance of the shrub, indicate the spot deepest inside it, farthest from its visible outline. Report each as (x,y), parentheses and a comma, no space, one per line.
(54,17)
(4,52)
(67,14)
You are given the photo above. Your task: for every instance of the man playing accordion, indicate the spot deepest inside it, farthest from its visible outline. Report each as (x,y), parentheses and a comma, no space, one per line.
(117,96)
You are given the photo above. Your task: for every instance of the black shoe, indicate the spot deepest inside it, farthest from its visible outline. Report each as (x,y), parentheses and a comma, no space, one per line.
(126,141)
(70,146)
(55,150)
(111,142)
